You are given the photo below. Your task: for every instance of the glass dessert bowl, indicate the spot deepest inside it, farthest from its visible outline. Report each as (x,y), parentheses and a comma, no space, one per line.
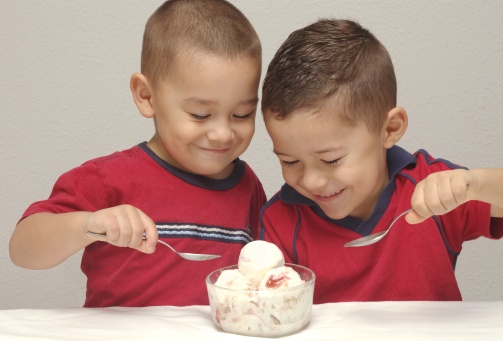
(280,305)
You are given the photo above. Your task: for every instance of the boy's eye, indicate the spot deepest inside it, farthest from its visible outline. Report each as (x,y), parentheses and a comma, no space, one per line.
(243,117)
(332,162)
(288,163)
(199,117)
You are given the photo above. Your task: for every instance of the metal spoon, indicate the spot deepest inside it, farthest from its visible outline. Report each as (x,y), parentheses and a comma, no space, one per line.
(373,238)
(188,256)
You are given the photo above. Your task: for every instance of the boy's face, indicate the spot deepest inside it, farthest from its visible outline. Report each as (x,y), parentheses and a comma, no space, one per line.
(341,168)
(205,113)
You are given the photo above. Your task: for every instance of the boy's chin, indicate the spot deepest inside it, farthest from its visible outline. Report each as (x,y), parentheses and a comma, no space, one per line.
(338,216)
(341,214)
(218,172)
(334,214)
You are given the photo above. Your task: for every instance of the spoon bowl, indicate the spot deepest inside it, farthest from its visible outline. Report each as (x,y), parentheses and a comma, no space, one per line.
(190,256)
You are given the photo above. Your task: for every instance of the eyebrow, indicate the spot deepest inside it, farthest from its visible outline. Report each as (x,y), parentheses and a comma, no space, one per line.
(202,101)
(322,151)
(278,153)
(328,150)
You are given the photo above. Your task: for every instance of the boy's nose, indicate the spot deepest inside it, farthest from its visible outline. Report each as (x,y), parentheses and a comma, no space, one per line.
(221,132)
(313,180)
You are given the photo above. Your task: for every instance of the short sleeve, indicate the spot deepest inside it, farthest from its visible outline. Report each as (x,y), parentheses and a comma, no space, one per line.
(80,189)
(470,221)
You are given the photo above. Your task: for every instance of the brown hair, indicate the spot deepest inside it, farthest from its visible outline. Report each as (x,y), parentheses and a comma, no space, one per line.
(183,26)
(331,62)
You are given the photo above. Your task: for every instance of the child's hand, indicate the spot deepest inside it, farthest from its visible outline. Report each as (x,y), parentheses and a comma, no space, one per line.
(440,193)
(124,226)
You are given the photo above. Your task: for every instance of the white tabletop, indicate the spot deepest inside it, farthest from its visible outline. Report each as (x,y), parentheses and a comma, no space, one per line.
(335,321)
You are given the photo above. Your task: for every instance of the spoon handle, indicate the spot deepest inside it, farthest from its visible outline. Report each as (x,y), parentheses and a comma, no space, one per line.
(96,234)
(374,238)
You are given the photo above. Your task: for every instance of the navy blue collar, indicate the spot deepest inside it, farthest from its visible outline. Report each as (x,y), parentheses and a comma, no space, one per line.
(397,159)
(200,180)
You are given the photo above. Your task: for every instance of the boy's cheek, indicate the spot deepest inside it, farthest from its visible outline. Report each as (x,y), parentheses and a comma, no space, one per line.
(289,176)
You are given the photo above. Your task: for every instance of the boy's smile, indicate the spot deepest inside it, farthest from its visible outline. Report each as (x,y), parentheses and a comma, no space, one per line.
(341,168)
(205,112)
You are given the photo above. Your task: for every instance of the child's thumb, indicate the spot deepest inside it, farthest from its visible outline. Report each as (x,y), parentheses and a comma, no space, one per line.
(414,218)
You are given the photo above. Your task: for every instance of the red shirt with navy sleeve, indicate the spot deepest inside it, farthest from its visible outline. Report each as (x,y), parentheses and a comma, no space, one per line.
(413,262)
(193,214)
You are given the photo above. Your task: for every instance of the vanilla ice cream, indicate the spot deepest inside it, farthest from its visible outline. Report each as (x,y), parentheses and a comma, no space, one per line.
(281,277)
(258,257)
(233,279)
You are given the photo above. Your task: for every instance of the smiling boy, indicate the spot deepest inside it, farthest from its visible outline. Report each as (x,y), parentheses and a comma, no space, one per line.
(329,106)
(200,71)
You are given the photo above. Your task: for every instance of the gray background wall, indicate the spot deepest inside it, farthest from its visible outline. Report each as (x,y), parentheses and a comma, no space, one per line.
(64,96)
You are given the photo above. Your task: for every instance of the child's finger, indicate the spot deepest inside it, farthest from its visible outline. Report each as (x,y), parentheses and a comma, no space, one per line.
(110,226)
(414,218)
(432,198)
(151,235)
(137,229)
(460,187)
(418,203)
(446,196)
(126,230)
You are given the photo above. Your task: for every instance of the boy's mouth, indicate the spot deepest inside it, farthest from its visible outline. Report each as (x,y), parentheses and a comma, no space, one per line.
(327,197)
(216,150)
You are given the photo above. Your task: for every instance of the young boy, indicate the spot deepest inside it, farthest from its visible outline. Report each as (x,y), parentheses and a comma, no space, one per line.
(329,105)
(200,71)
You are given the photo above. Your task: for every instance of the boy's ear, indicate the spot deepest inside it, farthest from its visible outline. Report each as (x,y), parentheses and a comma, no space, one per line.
(395,126)
(142,94)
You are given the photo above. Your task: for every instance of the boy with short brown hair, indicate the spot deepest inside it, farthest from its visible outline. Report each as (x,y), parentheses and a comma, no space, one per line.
(329,105)
(201,65)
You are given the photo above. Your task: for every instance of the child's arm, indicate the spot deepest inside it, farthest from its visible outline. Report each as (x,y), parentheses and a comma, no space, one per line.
(44,240)
(442,192)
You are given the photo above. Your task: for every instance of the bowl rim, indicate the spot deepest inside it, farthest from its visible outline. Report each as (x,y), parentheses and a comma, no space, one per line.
(306,283)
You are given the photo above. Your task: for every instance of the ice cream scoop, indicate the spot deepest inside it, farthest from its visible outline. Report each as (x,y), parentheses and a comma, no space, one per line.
(258,257)
(233,279)
(282,277)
